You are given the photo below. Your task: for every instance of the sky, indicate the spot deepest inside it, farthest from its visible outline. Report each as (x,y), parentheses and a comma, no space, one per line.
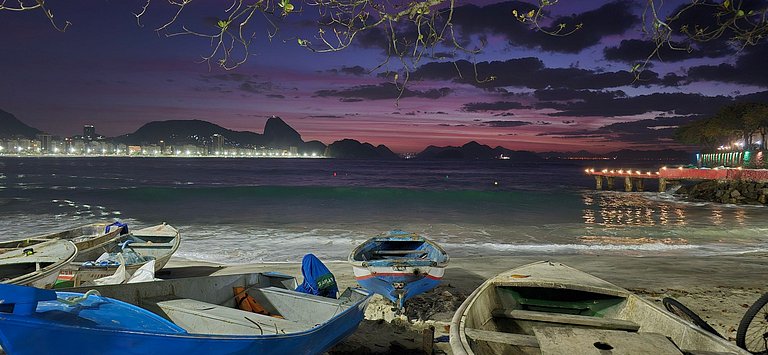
(550,93)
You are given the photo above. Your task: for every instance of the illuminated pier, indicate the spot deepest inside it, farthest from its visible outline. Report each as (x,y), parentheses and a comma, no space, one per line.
(634,178)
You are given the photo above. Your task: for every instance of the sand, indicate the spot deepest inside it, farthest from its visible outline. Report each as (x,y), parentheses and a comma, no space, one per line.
(718,288)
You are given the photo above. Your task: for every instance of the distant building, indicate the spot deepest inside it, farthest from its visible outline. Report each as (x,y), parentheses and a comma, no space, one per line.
(89,132)
(218,144)
(45,143)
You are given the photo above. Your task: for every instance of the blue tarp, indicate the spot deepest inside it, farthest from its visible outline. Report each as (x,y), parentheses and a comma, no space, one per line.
(318,280)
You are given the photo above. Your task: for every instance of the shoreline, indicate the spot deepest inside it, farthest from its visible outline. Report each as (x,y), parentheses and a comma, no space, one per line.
(719,288)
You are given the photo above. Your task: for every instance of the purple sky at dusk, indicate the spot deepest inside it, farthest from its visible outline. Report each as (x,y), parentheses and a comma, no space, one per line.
(565,94)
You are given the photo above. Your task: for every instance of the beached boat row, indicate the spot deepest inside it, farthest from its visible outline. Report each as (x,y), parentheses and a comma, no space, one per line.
(540,308)
(85,254)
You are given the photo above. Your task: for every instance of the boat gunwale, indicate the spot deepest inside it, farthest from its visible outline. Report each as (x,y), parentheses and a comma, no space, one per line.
(409,237)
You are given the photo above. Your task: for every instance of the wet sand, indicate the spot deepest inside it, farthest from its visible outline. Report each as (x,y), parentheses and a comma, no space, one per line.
(717,288)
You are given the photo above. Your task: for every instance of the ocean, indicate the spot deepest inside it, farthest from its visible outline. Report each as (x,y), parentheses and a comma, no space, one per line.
(276,210)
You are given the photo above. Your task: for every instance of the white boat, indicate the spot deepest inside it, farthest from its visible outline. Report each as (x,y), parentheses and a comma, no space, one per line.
(85,237)
(37,264)
(153,244)
(551,308)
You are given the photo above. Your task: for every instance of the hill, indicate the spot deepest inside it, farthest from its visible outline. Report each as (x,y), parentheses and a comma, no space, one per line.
(475,151)
(11,127)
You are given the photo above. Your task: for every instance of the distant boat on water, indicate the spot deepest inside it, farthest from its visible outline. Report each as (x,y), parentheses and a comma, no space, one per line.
(398,265)
(551,308)
(182,316)
(36,264)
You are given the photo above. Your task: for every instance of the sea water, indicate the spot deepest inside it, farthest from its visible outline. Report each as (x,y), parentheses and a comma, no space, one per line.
(276,210)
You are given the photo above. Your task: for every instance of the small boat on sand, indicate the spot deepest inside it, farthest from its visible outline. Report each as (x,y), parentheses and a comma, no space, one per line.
(182,316)
(398,265)
(36,264)
(85,237)
(551,308)
(137,248)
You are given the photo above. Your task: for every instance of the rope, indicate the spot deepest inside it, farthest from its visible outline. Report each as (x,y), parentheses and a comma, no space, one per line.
(72,301)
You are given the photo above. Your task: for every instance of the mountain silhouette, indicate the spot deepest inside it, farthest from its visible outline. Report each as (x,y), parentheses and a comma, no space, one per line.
(11,127)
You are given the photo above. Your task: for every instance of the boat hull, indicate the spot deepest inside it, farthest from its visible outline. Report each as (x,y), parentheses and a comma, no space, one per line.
(22,337)
(148,323)
(398,265)
(398,285)
(43,265)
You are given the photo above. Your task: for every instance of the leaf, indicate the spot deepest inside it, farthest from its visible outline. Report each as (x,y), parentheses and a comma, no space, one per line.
(635,68)
(530,13)
(288,7)
(223,24)
(514,13)
(396,76)
(726,3)
(740,13)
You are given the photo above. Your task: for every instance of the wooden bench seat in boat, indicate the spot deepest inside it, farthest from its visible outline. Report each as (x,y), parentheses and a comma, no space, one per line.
(569,319)
(585,341)
(207,318)
(400,252)
(502,338)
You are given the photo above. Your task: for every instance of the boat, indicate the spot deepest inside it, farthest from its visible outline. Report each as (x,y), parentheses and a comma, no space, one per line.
(152,244)
(551,308)
(398,265)
(85,237)
(186,316)
(36,264)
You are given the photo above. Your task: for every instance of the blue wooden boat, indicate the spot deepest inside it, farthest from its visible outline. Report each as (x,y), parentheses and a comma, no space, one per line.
(398,265)
(182,316)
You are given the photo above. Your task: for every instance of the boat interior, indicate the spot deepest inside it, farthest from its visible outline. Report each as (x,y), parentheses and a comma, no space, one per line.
(14,270)
(386,249)
(16,244)
(547,320)
(208,305)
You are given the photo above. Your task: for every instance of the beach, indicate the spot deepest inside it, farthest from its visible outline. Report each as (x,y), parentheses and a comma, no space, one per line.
(719,288)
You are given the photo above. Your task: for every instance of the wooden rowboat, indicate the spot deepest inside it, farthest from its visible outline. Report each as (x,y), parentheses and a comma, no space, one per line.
(37,264)
(182,316)
(156,243)
(550,308)
(398,265)
(85,237)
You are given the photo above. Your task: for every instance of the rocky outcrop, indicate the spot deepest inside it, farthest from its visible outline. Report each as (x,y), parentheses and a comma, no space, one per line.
(737,192)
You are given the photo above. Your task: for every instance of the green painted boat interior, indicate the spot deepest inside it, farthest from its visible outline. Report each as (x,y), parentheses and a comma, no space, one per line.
(561,301)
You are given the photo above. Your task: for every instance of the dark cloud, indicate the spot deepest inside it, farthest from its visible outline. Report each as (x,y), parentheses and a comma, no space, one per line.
(749,69)
(385,91)
(492,106)
(355,70)
(237,77)
(615,103)
(647,131)
(635,50)
(275,96)
(531,73)
(504,114)
(506,124)
(498,19)
(325,116)
(257,87)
